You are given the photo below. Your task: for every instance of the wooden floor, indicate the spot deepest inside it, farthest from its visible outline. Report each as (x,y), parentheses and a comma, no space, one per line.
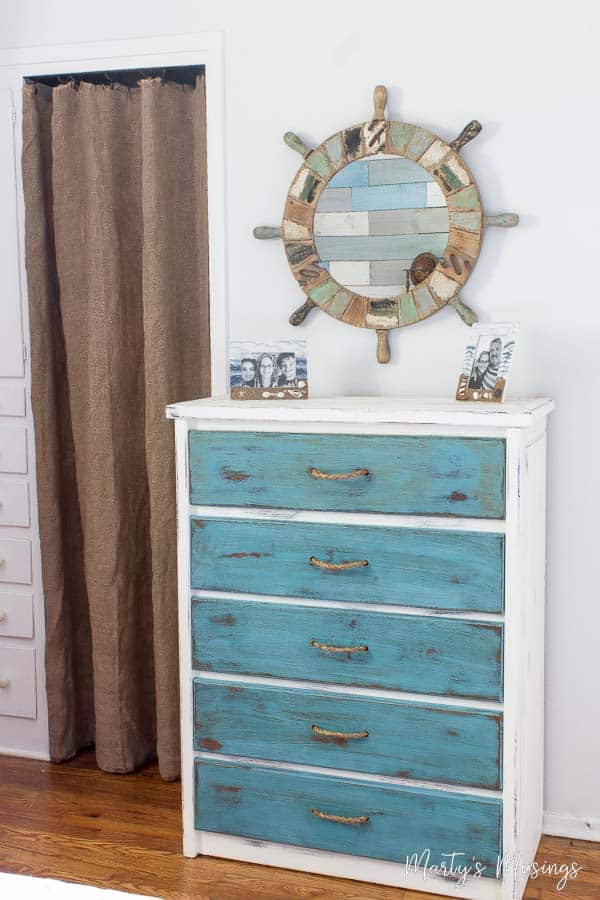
(75,823)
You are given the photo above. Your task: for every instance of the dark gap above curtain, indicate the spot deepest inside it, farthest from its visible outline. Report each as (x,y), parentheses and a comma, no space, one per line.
(126,77)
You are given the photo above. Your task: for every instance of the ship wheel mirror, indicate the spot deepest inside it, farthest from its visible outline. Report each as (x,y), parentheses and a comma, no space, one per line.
(383,224)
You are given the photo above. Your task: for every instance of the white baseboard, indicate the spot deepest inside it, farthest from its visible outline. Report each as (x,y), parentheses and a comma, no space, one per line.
(586,828)
(29,754)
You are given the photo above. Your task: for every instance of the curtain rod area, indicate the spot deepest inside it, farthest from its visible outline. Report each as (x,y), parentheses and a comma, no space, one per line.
(126,77)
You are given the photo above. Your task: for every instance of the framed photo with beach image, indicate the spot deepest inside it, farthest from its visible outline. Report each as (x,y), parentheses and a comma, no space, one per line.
(487,362)
(268,370)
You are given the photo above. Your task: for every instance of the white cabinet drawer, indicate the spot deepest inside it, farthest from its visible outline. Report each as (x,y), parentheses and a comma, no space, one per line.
(12,400)
(15,560)
(17,682)
(13,449)
(14,502)
(16,615)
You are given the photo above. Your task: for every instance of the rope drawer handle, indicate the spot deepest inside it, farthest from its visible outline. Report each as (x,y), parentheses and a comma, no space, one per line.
(343,820)
(347,735)
(337,567)
(338,476)
(331,648)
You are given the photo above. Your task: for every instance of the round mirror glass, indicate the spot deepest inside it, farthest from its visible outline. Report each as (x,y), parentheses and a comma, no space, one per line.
(374,217)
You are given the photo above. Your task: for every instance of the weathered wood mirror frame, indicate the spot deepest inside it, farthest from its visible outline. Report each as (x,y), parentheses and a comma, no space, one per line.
(434,283)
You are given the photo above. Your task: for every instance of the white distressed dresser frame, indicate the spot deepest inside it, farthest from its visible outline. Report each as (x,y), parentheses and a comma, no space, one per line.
(523,426)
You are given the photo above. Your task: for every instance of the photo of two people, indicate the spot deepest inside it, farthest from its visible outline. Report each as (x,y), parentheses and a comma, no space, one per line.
(487,362)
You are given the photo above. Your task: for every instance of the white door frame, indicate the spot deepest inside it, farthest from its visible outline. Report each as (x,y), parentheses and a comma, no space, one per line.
(203,48)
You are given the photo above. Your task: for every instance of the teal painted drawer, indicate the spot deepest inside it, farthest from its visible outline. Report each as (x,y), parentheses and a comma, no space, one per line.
(453,570)
(446,476)
(420,654)
(420,741)
(362,818)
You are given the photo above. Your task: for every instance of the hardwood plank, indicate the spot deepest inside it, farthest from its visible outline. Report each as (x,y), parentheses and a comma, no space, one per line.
(36,797)
(408,221)
(335,200)
(396,171)
(390,196)
(397,246)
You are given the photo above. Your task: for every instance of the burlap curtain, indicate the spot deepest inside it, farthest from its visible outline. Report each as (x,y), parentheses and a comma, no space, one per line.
(117,269)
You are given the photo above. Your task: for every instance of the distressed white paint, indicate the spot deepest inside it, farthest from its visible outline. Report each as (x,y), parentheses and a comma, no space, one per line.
(435,195)
(292,231)
(376,291)
(341,222)
(522,425)
(434,153)
(442,286)
(350,272)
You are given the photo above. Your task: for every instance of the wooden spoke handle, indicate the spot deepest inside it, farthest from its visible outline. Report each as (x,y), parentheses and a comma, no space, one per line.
(468,316)
(383,346)
(379,102)
(469,132)
(332,648)
(502,220)
(338,476)
(338,567)
(343,820)
(266,232)
(296,143)
(346,735)
(299,315)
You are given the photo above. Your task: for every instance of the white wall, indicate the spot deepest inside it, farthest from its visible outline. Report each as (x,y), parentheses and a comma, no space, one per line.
(530,72)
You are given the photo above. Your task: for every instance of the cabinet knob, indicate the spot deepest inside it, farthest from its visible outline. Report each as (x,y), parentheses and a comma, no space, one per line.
(3,615)
(4,682)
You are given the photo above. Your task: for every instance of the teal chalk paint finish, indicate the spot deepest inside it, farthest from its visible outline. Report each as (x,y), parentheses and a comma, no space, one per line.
(277,805)
(445,476)
(405,739)
(418,654)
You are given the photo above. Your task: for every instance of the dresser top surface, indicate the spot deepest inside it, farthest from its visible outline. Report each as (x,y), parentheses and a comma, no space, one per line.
(518,413)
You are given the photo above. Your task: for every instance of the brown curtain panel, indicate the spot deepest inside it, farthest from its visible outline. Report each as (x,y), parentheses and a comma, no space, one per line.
(117,269)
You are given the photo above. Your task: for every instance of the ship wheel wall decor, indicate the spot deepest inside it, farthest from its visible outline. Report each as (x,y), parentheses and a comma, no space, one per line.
(383,224)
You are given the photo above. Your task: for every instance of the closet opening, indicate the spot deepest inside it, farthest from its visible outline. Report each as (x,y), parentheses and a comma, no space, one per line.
(117,259)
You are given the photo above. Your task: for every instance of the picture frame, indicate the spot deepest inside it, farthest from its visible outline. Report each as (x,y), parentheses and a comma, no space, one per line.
(487,361)
(268,370)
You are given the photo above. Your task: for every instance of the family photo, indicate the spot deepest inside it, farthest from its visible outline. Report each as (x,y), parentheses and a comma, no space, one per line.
(270,371)
(487,362)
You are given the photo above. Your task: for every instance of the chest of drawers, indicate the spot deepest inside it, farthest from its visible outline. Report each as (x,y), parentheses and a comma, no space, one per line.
(361,620)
